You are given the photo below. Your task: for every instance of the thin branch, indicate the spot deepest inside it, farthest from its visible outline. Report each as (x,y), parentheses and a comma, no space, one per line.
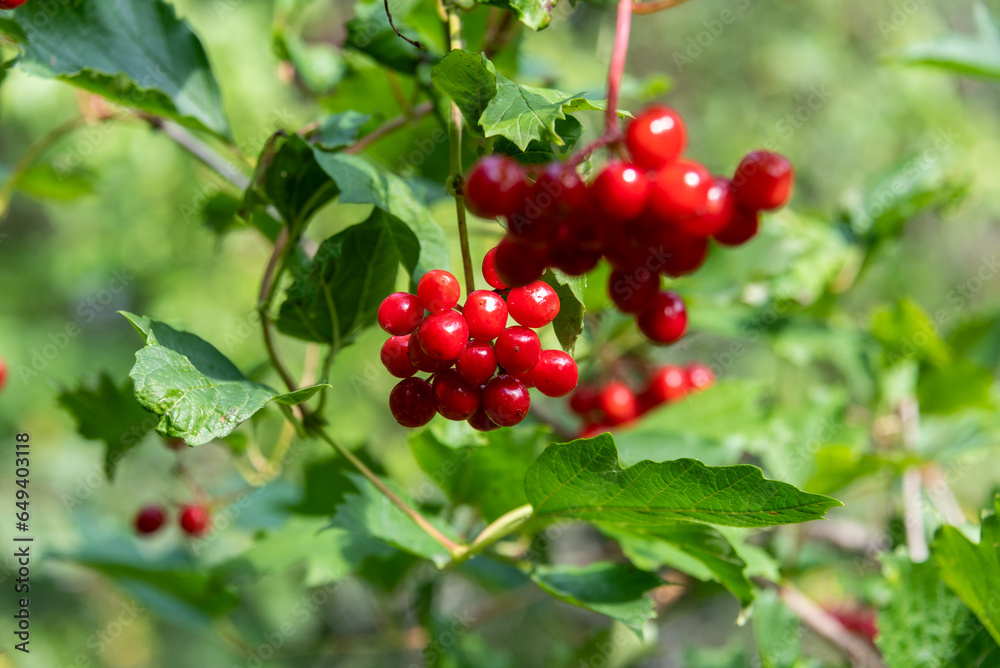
(201,150)
(389,127)
(502,526)
(267,286)
(654,6)
(396,30)
(616,70)
(913,511)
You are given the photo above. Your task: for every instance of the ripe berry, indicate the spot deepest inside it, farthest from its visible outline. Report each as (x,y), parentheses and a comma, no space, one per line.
(490,270)
(656,136)
(559,192)
(438,291)
(621,190)
(518,349)
(175,443)
(422,360)
(443,336)
(11,4)
(717,214)
(686,252)
(482,422)
(555,375)
(477,363)
(617,402)
(663,320)
(506,400)
(412,402)
(149,519)
(395,356)
(680,190)
(668,384)
(534,305)
(632,290)
(574,260)
(400,313)
(699,377)
(518,264)
(456,398)
(3,373)
(194,519)
(584,400)
(742,227)
(495,186)
(486,314)
(763,181)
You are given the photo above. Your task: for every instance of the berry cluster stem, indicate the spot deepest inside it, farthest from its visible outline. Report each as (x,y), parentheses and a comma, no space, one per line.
(616,69)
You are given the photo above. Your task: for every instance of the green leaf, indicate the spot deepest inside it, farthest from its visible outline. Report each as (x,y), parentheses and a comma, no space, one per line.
(907,333)
(370,513)
(924,624)
(339,130)
(470,81)
(613,590)
(109,413)
(568,325)
(973,571)
(539,152)
(976,56)
(325,483)
(949,389)
(584,480)
(45,181)
(134,52)
(219,213)
(536,14)
(197,392)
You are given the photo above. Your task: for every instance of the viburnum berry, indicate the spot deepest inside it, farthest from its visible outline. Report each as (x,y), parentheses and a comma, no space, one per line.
(438,291)
(495,186)
(559,192)
(699,377)
(742,227)
(555,374)
(518,349)
(669,383)
(456,398)
(400,313)
(422,360)
(534,305)
(194,519)
(490,270)
(149,519)
(482,422)
(412,402)
(477,363)
(763,181)
(573,260)
(617,402)
(3,373)
(506,400)
(686,252)
(656,137)
(395,356)
(632,290)
(621,191)
(663,320)
(486,314)
(518,264)
(443,336)
(718,211)
(11,4)
(584,400)
(680,190)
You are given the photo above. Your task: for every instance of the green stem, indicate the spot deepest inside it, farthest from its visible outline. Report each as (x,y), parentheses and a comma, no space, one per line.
(271,275)
(499,528)
(454,32)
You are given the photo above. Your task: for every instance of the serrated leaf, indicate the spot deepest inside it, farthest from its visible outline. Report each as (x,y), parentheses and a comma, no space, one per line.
(568,325)
(197,392)
(339,130)
(584,480)
(976,56)
(539,152)
(973,571)
(109,413)
(536,14)
(470,81)
(370,513)
(614,590)
(137,53)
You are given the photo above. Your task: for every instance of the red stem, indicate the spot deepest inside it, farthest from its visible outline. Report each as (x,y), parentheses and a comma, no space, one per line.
(617,67)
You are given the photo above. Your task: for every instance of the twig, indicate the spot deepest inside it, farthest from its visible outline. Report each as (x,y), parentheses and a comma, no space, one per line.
(616,70)
(942,495)
(654,6)
(396,30)
(271,274)
(502,526)
(200,150)
(913,512)
(389,127)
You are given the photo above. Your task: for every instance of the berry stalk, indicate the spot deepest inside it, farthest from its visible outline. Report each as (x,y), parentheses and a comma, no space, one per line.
(617,67)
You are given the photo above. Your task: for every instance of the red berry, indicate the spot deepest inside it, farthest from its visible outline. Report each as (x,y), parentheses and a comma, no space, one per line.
(588,228)
(584,400)
(534,305)
(686,252)
(555,375)
(176,443)
(3,373)
(443,336)
(149,519)
(477,363)
(400,313)
(632,290)
(11,4)
(518,264)
(699,377)
(482,422)
(668,384)
(194,519)
(763,181)
(486,314)
(395,356)
(573,260)
(438,291)
(456,398)
(742,227)
(506,400)
(680,190)
(621,190)
(490,270)
(656,136)
(422,360)
(518,349)
(717,214)
(617,402)
(495,186)
(412,402)
(559,192)
(663,320)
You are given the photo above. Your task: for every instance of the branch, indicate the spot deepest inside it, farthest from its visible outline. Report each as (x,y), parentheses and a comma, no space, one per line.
(264,303)
(396,30)
(389,127)
(500,527)
(616,70)
(654,6)
(200,150)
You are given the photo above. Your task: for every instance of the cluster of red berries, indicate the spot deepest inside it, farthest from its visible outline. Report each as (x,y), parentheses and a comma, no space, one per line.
(481,368)
(653,215)
(615,403)
(194,518)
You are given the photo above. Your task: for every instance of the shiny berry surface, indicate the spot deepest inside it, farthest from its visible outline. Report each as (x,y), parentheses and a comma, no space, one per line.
(443,336)
(621,191)
(149,519)
(534,305)
(742,227)
(477,363)
(618,403)
(412,402)
(490,270)
(422,360)
(194,520)
(495,186)
(518,264)
(438,291)
(482,422)
(518,349)
(718,211)
(456,398)
(632,290)
(680,190)
(656,137)
(699,377)
(395,357)
(400,313)
(555,374)
(486,314)
(669,383)
(506,400)
(763,181)
(685,252)
(664,320)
